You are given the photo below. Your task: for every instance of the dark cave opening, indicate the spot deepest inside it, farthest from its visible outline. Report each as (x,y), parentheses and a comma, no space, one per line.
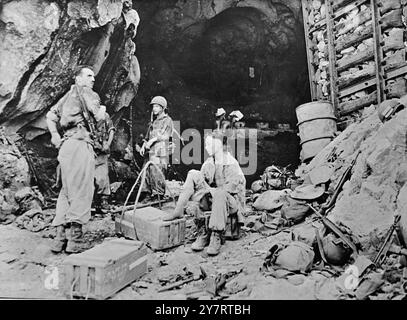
(240,59)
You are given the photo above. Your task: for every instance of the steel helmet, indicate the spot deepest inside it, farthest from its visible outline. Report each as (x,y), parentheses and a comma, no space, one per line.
(388,108)
(160,101)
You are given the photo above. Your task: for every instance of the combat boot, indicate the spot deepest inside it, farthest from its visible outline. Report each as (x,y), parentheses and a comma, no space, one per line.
(215,244)
(76,243)
(203,236)
(60,240)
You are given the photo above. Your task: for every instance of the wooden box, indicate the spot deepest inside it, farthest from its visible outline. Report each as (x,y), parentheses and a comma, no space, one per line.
(146,225)
(100,272)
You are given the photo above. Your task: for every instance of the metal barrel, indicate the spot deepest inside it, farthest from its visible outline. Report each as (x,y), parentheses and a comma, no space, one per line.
(316,126)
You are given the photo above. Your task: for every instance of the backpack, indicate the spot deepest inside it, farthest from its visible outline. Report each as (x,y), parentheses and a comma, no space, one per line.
(294,210)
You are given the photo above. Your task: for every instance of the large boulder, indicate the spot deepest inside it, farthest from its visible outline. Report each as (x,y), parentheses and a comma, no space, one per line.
(45,41)
(26,29)
(376,190)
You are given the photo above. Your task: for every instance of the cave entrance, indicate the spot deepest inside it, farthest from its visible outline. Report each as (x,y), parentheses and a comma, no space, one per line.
(243,58)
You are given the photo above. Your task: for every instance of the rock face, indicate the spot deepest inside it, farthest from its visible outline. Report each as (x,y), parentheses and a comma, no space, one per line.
(43,43)
(377,188)
(14,175)
(247,55)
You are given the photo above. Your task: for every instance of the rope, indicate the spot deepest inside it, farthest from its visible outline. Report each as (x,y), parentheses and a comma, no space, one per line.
(142,174)
(73,284)
(87,293)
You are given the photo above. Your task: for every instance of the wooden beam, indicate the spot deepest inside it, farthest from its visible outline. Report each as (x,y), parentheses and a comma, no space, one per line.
(333,73)
(372,81)
(350,78)
(317,25)
(347,9)
(397,72)
(362,17)
(355,105)
(378,53)
(357,87)
(354,38)
(355,59)
(337,4)
(310,56)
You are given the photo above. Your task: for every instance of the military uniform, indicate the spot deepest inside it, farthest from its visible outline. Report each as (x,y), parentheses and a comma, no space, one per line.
(76,156)
(223,183)
(161,128)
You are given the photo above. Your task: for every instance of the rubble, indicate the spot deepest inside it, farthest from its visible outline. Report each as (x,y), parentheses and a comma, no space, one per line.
(375,191)
(35,220)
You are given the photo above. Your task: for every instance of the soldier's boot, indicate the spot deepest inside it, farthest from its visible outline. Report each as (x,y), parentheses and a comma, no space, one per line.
(76,243)
(203,235)
(215,244)
(60,240)
(179,208)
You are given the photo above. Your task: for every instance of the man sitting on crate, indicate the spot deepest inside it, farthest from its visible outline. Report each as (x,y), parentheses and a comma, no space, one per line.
(219,187)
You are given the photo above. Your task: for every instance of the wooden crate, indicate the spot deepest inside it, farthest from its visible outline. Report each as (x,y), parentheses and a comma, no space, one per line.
(146,224)
(100,272)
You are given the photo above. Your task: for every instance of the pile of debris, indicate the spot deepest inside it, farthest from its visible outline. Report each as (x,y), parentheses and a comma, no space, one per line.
(348,214)
(19,202)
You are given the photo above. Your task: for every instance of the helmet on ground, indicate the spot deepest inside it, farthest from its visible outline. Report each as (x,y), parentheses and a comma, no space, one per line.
(388,108)
(160,101)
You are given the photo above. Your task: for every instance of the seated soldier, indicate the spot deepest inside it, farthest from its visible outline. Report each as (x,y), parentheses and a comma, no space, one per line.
(220,187)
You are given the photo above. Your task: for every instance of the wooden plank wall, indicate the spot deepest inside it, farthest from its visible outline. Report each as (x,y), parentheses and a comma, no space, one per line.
(356,52)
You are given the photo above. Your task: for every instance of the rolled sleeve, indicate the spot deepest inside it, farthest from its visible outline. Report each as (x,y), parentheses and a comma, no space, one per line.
(53,116)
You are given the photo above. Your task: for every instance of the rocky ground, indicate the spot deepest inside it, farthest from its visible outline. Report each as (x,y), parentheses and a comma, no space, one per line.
(26,262)
(366,207)
(25,258)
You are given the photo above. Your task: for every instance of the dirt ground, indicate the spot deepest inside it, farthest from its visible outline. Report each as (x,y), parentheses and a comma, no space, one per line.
(26,262)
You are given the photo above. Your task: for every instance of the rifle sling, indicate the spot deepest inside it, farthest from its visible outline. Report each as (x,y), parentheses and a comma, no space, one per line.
(85,113)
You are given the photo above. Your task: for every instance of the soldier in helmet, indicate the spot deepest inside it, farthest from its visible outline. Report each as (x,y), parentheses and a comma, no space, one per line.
(157,144)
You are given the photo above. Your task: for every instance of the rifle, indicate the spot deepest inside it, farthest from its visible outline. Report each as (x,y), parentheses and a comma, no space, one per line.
(345,176)
(384,248)
(335,229)
(85,112)
(327,206)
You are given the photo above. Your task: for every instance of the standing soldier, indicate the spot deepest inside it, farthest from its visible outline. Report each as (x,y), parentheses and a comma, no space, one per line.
(105,133)
(157,143)
(75,112)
